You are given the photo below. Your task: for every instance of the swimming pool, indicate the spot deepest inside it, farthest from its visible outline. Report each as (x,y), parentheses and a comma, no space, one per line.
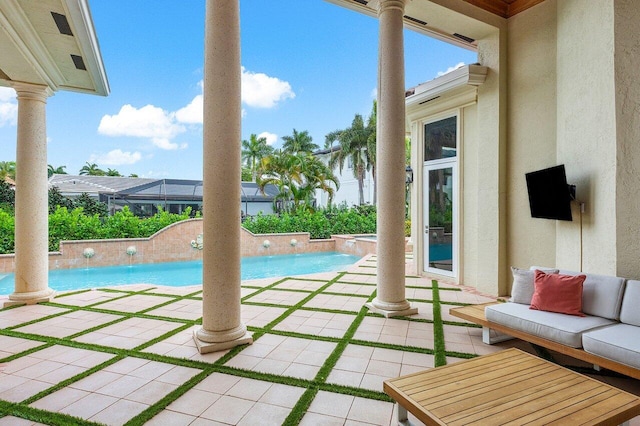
(179,274)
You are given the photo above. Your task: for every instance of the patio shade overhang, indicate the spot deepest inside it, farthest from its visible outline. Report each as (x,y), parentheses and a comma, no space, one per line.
(50,43)
(449,20)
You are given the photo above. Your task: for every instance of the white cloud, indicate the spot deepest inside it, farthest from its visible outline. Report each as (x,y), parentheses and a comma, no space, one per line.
(374,93)
(261,91)
(453,68)
(192,113)
(147,122)
(8,107)
(117,157)
(270,137)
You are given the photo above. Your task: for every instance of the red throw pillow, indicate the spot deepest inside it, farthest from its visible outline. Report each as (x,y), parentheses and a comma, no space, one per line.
(558,293)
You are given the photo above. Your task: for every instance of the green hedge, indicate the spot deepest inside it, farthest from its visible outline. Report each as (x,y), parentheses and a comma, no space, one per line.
(73,224)
(65,224)
(319,224)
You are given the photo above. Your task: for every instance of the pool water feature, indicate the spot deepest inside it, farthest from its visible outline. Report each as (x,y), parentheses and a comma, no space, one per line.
(179,274)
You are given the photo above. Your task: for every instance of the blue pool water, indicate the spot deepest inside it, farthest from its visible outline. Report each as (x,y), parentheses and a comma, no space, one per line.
(178,274)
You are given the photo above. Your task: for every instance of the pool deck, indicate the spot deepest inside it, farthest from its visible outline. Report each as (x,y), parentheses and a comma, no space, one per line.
(126,354)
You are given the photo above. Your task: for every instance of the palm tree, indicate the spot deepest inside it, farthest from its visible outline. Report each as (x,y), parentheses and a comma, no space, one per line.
(253,151)
(56,170)
(298,142)
(7,170)
(353,143)
(370,151)
(133,175)
(297,178)
(91,169)
(112,172)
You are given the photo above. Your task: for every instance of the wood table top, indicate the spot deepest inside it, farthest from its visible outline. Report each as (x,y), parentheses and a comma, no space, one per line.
(510,387)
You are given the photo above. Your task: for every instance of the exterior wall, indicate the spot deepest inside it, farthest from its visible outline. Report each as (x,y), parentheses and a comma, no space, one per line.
(574,94)
(532,130)
(587,132)
(491,277)
(627,93)
(173,244)
(348,191)
(469,191)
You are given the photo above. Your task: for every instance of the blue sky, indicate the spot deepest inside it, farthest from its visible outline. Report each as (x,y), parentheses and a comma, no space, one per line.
(307,64)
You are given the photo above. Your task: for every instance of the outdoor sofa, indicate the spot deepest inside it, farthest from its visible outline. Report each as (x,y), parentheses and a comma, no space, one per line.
(608,334)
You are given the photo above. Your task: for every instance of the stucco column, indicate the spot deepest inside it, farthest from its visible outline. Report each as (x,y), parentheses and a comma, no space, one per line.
(390,157)
(32,199)
(222,326)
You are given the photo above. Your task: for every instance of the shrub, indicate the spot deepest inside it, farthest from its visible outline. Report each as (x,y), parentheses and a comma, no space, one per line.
(319,224)
(7,226)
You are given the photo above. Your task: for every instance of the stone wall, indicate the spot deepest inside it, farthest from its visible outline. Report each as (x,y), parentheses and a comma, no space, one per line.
(173,244)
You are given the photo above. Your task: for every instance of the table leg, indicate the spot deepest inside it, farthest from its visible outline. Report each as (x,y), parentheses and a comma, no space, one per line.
(403,417)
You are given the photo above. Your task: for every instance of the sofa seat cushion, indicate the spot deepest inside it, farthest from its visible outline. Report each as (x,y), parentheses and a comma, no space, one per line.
(560,328)
(619,342)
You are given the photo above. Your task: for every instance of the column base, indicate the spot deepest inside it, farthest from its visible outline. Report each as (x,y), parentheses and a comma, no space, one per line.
(389,313)
(207,347)
(30,298)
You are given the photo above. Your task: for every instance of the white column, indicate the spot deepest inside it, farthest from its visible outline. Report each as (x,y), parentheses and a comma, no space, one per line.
(390,157)
(222,326)
(32,199)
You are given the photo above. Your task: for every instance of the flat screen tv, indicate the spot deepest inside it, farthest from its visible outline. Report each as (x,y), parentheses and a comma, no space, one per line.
(549,193)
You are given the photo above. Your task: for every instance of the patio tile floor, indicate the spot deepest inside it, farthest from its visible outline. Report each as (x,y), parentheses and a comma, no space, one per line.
(318,357)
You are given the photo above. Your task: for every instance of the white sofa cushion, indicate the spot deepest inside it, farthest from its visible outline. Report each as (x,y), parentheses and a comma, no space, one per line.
(620,343)
(560,328)
(630,313)
(601,294)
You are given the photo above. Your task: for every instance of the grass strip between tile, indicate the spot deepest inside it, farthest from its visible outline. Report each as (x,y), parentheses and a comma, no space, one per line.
(440,357)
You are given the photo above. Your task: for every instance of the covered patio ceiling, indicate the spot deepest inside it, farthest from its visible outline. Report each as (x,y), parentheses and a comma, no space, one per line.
(450,20)
(50,43)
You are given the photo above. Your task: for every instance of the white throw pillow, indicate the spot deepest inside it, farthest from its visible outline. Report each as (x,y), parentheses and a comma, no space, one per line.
(522,288)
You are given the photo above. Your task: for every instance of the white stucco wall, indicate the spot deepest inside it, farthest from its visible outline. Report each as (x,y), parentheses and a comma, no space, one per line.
(587,131)
(348,192)
(627,93)
(532,130)
(492,128)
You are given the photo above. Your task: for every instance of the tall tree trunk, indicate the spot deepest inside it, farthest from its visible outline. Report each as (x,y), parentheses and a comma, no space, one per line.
(361,184)
(375,186)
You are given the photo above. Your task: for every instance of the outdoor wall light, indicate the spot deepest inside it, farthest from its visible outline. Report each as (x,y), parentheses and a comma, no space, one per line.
(408,175)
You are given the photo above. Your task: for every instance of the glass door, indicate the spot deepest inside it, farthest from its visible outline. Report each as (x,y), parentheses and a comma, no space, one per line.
(440,195)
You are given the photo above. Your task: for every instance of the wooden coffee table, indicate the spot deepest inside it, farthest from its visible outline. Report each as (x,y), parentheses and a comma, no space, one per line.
(509,387)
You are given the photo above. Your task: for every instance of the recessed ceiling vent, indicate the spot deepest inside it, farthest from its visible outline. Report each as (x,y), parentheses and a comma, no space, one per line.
(465,38)
(62,23)
(416,20)
(78,62)
(362,2)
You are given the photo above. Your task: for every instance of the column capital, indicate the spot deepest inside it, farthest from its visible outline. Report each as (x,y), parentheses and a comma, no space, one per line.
(34,92)
(385,5)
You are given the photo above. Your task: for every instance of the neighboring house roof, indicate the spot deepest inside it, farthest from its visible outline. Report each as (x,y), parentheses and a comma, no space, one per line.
(72,184)
(329,150)
(149,189)
(10,181)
